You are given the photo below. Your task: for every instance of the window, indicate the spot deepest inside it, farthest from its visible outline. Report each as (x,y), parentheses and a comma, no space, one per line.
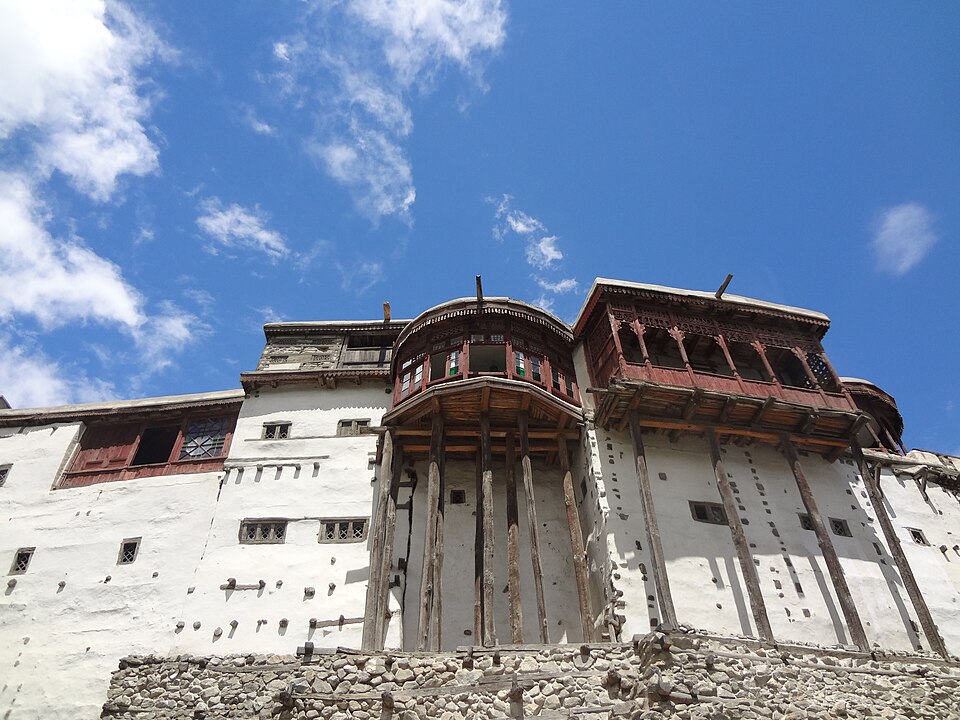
(263,532)
(276,431)
(128,551)
(918,537)
(351,428)
(155,446)
(21,561)
(519,366)
(708,512)
(534,363)
(4,472)
(342,531)
(840,527)
(204,438)
(805,522)
(458,497)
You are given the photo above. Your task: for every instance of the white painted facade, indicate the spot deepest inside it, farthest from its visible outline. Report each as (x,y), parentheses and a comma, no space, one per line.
(66,621)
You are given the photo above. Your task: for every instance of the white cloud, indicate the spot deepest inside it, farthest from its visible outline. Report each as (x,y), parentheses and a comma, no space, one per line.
(360,276)
(354,65)
(255,123)
(30,379)
(547,303)
(236,226)
(559,287)
(904,237)
(544,253)
(159,337)
(70,82)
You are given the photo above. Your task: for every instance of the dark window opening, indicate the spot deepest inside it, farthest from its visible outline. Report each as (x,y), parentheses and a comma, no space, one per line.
(917,536)
(840,527)
(708,512)
(706,355)
(748,362)
(631,346)
(156,446)
(805,522)
(128,551)
(21,561)
(368,350)
(458,497)
(351,428)
(488,358)
(4,472)
(789,369)
(663,348)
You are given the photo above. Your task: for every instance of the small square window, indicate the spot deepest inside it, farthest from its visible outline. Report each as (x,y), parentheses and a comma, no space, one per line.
(129,549)
(351,428)
(805,522)
(263,532)
(708,512)
(21,561)
(4,472)
(338,531)
(276,431)
(918,537)
(840,527)
(458,497)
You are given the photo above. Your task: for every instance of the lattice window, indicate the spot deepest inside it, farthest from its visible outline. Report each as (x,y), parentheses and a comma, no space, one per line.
(351,427)
(918,537)
(708,512)
(21,561)
(343,530)
(205,438)
(129,549)
(840,527)
(276,431)
(4,472)
(263,531)
(805,522)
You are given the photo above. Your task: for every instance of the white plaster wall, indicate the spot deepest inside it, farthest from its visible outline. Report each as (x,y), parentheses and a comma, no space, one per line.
(937,572)
(58,647)
(559,585)
(310,476)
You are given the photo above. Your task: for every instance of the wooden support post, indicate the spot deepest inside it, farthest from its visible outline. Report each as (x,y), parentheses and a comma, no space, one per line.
(513,547)
(614,328)
(747,567)
(893,542)
(478,557)
(677,335)
(668,614)
(638,330)
(427,576)
(385,479)
(802,357)
(850,614)
(533,527)
(386,558)
(489,636)
(576,542)
(722,342)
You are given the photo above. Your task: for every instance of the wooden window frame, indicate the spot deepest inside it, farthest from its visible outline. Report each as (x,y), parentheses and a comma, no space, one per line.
(712,508)
(14,566)
(350,427)
(280,430)
(270,537)
(918,536)
(136,551)
(340,525)
(840,527)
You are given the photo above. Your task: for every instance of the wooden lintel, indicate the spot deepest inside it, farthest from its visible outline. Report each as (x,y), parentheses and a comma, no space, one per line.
(474,432)
(732,430)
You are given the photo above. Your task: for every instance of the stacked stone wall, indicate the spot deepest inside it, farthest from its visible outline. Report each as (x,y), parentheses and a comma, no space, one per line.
(658,676)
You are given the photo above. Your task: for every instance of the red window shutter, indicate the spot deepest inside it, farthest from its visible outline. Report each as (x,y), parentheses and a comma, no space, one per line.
(104,448)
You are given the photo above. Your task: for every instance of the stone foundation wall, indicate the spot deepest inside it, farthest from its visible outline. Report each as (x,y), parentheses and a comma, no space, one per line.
(658,676)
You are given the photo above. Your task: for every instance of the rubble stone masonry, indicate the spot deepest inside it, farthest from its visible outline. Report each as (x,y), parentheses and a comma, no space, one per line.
(659,675)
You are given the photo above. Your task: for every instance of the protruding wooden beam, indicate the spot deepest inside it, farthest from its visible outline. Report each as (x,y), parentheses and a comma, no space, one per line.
(690,409)
(489,631)
(479,295)
(384,481)
(872,484)
(576,543)
(513,546)
(749,570)
(533,527)
(386,558)
(664,598)
(850,614)
(762,412)
(427,575)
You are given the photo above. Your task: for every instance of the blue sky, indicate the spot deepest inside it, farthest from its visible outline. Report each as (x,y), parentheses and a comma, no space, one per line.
(175,174)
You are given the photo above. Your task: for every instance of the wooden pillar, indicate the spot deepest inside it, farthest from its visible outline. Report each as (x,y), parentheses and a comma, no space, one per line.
(513,546)
(437,612)
(386,558)
(758,346)
(893,542)
(722,342)
(857,633)
(811,376)
(747,567)
(533,527)
(486,453)
(428,574)
(638,330)
(478,557)
(371,608)
(576,542)
(668,614)
(677,334)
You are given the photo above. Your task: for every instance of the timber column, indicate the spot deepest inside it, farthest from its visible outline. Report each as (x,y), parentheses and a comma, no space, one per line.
(576,542)
(431,551)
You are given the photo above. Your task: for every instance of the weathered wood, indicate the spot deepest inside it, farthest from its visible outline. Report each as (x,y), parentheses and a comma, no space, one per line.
(489,632)
(893,542)
(576,543)
(513,546)
(847,606)
(749,570)
(428,572)
(664,598)
(534,528)
(376,547)
(478,556)
(436,637)
(386,558)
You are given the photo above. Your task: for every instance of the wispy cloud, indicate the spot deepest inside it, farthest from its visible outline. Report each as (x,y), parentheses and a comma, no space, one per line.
(28,378)
(544,253)
(360,276)
(559,287)
(252,121)
(234,226)
(903,238)
(355,64)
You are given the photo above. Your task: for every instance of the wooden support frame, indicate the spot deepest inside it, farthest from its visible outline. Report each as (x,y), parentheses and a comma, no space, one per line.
(533,527)
(576,542)
(478,556)
(371,609)
(513,545)
(847,606)
(430,550)
(872,484)
(668,614)
(747,567)
(386,558)
(489,631)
